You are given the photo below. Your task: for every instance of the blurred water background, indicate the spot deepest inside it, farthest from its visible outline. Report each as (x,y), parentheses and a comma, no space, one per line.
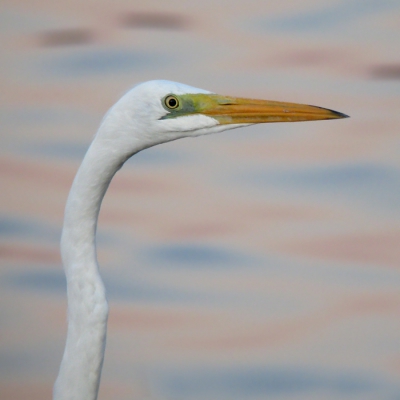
(260,263)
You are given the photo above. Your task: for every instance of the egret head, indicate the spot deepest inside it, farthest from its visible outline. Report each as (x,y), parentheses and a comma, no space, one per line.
(160,111)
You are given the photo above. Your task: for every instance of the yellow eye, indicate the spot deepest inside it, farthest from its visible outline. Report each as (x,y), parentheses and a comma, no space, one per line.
(171,102)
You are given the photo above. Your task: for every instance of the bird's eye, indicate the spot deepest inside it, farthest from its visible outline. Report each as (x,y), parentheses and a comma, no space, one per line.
(171,102)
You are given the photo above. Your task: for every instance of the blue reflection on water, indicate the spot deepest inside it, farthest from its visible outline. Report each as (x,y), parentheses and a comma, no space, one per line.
(99,62)
(196,256)
(25,229)
(330,16)
(53,281)
(370,184)
(255,382)
(344,176)
(28,116)
(74,151)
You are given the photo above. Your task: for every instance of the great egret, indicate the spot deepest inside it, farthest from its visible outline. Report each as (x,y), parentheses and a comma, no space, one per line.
(151,113)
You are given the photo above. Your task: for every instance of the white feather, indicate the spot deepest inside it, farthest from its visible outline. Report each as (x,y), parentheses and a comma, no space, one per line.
(131,125)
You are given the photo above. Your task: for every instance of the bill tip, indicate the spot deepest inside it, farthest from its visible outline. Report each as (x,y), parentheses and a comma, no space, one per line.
(341,115)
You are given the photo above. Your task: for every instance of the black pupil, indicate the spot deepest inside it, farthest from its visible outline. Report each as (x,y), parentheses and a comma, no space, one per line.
(172,102)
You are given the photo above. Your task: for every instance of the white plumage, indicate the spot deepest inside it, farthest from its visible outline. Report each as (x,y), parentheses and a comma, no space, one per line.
(143,117)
